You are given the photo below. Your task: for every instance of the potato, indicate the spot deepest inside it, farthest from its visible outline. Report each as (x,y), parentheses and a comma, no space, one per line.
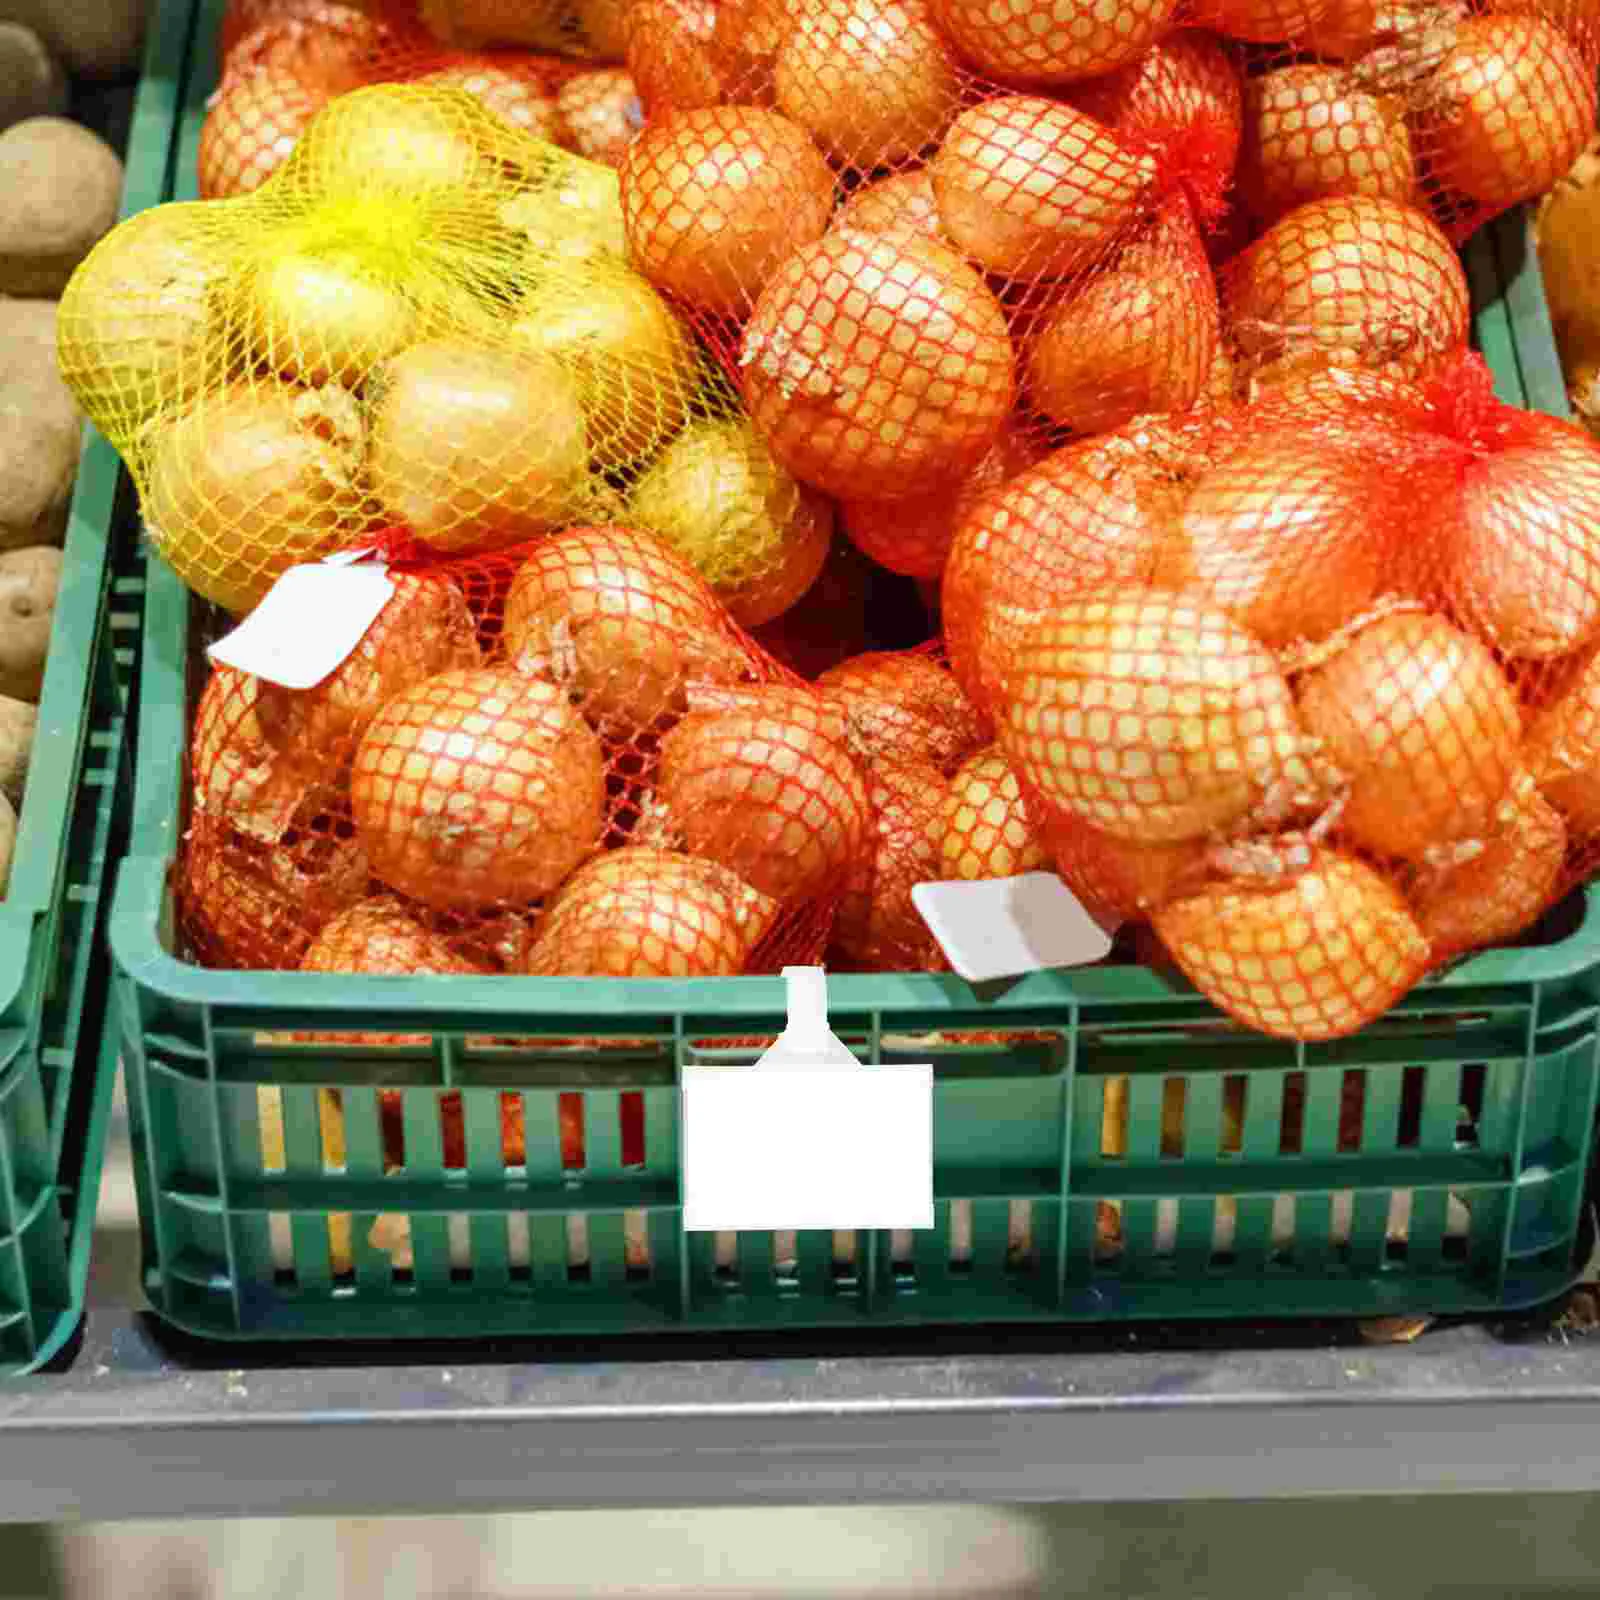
(28,581)
(18,720)
(31,84)
(40,429)
(59,190)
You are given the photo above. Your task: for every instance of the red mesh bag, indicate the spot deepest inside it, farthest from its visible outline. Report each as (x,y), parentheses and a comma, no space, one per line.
(564,758)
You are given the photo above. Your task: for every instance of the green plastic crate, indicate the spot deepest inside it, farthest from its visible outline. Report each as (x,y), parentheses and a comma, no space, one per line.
(1136,1156)
(57,1056)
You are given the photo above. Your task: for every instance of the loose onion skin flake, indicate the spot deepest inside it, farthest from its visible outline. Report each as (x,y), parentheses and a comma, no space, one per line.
(765,784)
(877,925)
(872,81)
(639,912)
(1422,724)
(877,366)
(1352,280)
(985,829)
(1150,715)
(1052,41)
(1030,188)
(1315,958)
(476,787)
(1563,751)
(904,705)
(713,200)
(1509,109)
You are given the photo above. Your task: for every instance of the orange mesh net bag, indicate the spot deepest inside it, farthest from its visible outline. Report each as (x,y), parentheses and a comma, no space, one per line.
(1307,687)
(562,759)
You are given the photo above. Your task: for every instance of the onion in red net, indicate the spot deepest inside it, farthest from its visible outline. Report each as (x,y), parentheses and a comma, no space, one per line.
(1508,110)
(714,199)
(902,202)
(640,912)
(1121,880)
(903,704)
(254,121)
(1421,724)
(1563,751)
(381,935)
(1030,188)
(515,97)
(670,56)
(621,621)
(877,926)
(242,779)
(871,80)
(763,782)
(1053,41)
(1315,958)
(599,114)
(476,787)
(985,830)
(877,365)
(1353,280)
(1262,21)
(1153,716)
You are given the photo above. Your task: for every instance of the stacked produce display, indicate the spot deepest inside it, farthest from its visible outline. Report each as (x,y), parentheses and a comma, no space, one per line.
(1138,339)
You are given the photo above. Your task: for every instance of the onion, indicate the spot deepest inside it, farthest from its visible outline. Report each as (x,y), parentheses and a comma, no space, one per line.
(670,57)
(423,630)
(381,936)
(397,137)
(767,787)
(330,49)
(1121,880)
(515,97)
(1152,716)
(1347,30)
(644,913)
(1563,751)
(714,200)
(745,42)
(476,787)
(877,926)
(1261,21)
(1499,891)
(871,80)
(248,482)
(243,18)
(253,123)
(1524,540)
(986,832)
(1311,132)
(134,330)
(624,622)
(571,217)
(877,366)
(1316,958)
(1133,339)
(913,536)
(756,536)
(1352,280)
(1287,533)
(903,705)
(1053,41)
(242,779)
(631,357)
(603,25)
(903,202)
(1031,188)
(599,114)
(474,446)
(1420,722)
(1509,109)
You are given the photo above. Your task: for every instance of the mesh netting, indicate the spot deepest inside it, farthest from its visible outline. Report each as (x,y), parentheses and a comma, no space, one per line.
(560,759)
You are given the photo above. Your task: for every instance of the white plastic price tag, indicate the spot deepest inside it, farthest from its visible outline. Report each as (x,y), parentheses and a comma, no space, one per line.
(309,622)
(1003,927)
(807,1137)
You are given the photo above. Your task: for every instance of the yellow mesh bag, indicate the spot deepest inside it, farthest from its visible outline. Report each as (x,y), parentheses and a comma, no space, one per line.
(423,320)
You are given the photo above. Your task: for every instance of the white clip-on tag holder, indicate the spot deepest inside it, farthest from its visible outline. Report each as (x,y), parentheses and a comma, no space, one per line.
(808,1136)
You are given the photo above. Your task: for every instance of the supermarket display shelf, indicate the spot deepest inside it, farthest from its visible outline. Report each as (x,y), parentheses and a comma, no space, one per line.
(141,1428)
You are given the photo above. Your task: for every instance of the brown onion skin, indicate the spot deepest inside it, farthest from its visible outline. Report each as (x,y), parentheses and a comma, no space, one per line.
(904,202)
(986,831)
(1052,41)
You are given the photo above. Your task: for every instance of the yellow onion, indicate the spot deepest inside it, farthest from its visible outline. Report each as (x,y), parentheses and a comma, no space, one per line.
(478,786)
(670,56)
(904,705)
(902,202)
(475,446)
(1563,751)
(716,496)
(1150,715)
(1053,41)
(1499,888)
(640,912)
(1419,721)
(250,481)
(633,361)
(381,936)
(599,114)
(622,621)
(1030,188)
(1509,109)
(764,783)
(514,97)
(397,138)
(877,926)
(714,199)
(985,829)
(901,373)
(745,41)
(1315,958)
(871,80)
